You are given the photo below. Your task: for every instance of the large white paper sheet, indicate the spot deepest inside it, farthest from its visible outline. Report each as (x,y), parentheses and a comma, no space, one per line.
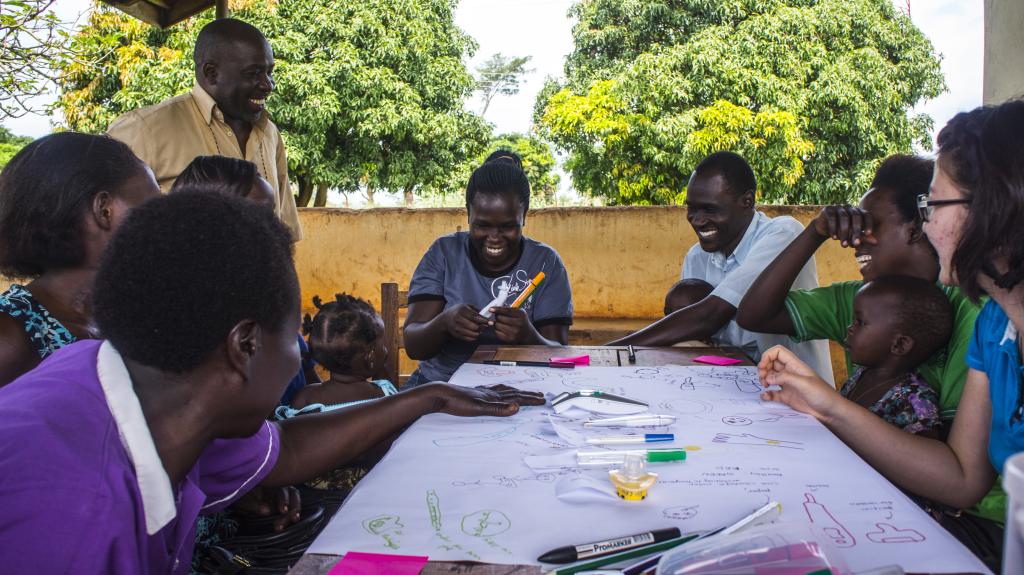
(459,489)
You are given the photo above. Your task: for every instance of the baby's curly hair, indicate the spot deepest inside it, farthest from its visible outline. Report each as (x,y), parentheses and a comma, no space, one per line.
(341,329)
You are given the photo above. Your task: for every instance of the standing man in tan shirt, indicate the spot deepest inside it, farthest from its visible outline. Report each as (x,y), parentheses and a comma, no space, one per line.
(224,114)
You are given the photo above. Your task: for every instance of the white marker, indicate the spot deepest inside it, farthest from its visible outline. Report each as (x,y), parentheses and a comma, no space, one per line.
(496,302)
(623,439)
(633,421)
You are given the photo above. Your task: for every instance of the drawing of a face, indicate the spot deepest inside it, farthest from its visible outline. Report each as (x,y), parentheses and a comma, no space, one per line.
(485,523)
(681,513)
(687,406)
(383,524)
(736,420)
(495,372)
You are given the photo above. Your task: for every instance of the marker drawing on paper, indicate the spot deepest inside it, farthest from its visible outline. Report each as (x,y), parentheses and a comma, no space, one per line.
(486,523)
(823,518)
(388,527)
(750,439)
(887,533)
(681,513)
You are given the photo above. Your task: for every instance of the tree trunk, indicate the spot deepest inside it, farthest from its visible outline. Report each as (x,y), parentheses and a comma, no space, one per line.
(369,195)
(305,192)
(321,196)
(408,196)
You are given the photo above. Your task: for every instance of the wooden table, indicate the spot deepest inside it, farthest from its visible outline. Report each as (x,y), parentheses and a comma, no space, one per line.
(608,356)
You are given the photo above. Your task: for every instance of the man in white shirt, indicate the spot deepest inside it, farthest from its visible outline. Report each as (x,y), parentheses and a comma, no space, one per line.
(735,243)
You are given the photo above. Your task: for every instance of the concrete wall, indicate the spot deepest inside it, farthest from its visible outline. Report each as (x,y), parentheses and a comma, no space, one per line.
(621,261)
(1004,50)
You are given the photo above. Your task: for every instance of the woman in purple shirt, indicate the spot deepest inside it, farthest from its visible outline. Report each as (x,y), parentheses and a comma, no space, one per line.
(109,450)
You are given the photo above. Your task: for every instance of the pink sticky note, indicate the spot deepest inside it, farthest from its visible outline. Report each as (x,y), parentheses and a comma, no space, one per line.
(717,360)
(355,563)
(574,359)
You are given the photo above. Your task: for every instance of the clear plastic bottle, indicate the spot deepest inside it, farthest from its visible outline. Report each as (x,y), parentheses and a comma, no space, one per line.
(633,481)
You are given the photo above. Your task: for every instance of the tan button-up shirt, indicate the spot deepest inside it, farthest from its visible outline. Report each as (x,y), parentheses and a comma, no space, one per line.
(169,135)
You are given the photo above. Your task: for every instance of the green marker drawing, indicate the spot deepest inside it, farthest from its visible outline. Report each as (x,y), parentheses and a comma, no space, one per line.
(385,526)
(434,507)
(490,541)
(486,523)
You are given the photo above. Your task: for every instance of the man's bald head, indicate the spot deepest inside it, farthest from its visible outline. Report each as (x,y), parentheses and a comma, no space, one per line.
(222,33)
(235,66)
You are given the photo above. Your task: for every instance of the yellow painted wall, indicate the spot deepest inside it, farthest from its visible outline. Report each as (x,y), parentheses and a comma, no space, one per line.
(621,261)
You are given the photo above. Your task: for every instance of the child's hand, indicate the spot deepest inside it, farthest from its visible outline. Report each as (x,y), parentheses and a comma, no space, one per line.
(848,224)
(497,400)
(464,322)
(512,325)
(798,386)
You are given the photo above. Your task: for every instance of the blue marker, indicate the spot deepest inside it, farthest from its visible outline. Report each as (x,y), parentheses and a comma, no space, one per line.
(636,438)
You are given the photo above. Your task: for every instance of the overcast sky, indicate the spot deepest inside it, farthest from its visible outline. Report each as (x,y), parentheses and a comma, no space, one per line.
(541,29)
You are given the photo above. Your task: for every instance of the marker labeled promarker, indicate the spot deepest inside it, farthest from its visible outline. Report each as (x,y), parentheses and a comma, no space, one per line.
(632,438)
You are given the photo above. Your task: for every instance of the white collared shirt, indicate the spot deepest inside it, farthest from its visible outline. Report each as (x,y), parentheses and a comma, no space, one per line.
(155,486)
(732,275)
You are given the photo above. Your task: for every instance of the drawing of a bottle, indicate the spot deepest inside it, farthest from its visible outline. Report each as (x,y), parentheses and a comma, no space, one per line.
(819,515)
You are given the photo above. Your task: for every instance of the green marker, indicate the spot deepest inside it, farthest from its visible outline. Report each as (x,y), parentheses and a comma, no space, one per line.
(600,458)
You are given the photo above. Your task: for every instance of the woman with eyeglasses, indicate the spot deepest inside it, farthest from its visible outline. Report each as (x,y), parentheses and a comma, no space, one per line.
(973,218)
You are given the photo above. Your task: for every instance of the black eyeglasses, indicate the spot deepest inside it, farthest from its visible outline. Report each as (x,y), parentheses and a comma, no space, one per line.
(926,207)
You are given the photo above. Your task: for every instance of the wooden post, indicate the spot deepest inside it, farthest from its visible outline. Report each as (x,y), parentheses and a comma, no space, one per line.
(222,9)
(389,313)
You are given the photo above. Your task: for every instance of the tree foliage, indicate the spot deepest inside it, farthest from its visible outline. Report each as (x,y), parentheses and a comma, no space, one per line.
(538,162)
(500,74)
(369,95)
(10,144)
(813,92)
(31,37)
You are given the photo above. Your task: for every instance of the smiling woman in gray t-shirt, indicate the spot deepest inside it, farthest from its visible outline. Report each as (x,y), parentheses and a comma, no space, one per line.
(463,272)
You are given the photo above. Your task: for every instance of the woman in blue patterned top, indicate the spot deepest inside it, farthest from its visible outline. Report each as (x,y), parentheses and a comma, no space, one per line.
(61,197)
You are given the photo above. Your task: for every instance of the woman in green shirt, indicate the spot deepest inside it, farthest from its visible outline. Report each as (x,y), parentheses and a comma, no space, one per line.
(885,231)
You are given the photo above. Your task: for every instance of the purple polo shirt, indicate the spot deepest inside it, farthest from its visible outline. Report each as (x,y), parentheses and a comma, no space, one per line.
(83,490)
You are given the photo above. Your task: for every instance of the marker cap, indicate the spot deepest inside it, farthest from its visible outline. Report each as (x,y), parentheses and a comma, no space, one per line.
(666,455)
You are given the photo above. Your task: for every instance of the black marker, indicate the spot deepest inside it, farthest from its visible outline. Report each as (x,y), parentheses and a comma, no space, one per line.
(632,354)
(587,550)
(559,364)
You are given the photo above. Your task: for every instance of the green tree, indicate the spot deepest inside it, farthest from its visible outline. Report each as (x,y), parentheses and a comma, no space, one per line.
(813,92)
(10,145)
(500,75)
(538,162)
(31,38)
(369,95)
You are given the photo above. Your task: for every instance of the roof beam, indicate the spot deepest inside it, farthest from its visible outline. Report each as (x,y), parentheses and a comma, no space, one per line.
(166,13)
